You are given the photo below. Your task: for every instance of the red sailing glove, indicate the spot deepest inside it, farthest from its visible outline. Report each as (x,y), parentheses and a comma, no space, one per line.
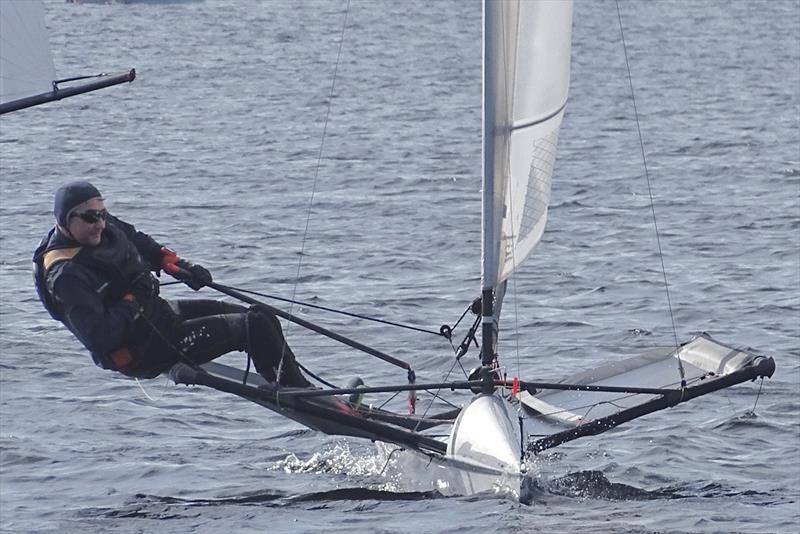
(194,276)
(168,257)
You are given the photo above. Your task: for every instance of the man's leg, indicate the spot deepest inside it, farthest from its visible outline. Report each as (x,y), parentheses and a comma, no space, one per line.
(202,339)
(212,328)
(194,308)
(267,344)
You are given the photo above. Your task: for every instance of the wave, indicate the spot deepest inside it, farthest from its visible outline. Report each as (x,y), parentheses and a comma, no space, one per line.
(595,485)
(167,507)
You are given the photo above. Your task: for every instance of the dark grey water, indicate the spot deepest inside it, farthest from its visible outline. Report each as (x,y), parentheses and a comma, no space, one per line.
(214,149)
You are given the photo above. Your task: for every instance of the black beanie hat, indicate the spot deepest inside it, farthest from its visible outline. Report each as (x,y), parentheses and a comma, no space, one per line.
(70,195)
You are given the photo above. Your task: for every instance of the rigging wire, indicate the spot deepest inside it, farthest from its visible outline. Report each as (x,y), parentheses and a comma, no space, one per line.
(316,177)
(340,312)
(652,203)
(436,395)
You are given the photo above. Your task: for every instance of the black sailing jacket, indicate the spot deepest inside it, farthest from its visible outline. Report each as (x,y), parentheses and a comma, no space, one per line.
(84,287)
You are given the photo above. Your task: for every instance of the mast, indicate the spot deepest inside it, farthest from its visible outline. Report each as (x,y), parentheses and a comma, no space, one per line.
(526,57)
(489,249)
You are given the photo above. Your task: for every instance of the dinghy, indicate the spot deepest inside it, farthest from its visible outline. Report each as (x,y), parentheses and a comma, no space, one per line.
(486,444)
(27,72)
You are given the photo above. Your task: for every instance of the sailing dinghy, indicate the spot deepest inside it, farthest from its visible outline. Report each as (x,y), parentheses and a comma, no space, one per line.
(486,444)
(27,72)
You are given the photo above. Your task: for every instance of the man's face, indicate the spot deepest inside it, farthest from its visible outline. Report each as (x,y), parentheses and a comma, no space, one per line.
(87,222)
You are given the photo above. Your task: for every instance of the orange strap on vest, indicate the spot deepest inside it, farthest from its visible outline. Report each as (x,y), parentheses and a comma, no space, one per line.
(122,359)
(51,257)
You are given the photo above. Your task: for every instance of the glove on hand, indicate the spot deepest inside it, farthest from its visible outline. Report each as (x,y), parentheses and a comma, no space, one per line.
(194,276)
(198,276)
(144,288)
(168,257)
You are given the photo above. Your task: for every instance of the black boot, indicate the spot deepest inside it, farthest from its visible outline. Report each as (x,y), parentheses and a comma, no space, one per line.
(291,375)
(265,344)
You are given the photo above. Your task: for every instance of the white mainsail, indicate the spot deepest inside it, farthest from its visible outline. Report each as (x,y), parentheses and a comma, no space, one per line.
(26,64)
(526,80)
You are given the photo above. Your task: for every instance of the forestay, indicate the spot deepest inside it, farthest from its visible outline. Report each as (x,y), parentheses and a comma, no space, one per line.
(526,80)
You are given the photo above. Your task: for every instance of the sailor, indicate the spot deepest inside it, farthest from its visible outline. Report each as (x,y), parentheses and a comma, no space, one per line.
(94,273)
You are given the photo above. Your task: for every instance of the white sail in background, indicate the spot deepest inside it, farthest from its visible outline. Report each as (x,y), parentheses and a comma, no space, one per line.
(526,81)
(26,64)
(27,73)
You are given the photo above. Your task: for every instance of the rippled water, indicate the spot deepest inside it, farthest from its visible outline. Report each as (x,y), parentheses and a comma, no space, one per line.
(214,150)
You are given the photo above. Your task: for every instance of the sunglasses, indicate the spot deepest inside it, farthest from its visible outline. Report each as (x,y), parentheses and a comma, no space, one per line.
(92,216)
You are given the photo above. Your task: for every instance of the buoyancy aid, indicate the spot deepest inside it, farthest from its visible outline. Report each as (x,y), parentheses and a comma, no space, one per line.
(113,268)
(62,249)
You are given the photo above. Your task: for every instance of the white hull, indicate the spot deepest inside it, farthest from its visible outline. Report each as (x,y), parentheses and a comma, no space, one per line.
(486,433)
(483,454)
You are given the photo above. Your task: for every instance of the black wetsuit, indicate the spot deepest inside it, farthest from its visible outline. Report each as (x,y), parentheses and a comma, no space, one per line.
(83,287)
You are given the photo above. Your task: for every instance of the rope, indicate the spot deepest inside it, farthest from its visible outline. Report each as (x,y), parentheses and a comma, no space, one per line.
(78,78)
(315,376)
(316,176)
(143,316)
(652,203)
(389,458)
(462,316)
(435,395)
(249,348)
(340,312)
(761,385)
(469,338)
(151,399)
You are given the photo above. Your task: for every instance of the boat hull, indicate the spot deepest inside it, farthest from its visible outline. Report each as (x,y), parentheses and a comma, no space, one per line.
(484,451)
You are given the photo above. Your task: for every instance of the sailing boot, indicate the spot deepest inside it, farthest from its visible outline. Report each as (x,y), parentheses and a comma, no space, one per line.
(355,398)
(265,343)
(290,373)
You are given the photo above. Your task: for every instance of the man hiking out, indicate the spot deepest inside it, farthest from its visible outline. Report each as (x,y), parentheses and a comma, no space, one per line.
(94,273)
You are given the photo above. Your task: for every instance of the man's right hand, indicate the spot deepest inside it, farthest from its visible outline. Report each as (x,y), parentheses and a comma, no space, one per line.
(193,275)
(168,257)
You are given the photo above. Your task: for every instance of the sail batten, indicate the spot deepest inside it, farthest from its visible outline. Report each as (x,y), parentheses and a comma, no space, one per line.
(522,124)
